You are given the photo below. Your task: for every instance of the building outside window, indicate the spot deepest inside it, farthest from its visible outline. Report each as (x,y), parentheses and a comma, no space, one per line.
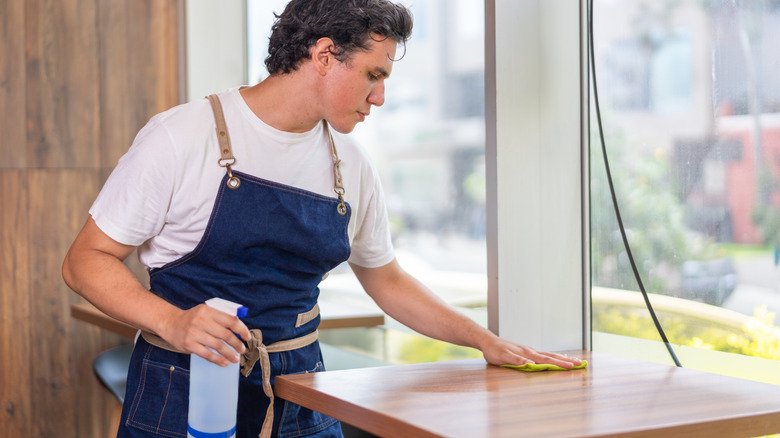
(690,102)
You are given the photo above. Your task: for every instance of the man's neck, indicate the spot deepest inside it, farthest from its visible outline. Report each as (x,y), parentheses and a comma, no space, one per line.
(284,102)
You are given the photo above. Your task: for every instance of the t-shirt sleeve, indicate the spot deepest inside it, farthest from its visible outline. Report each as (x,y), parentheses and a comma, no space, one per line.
(372,245)
(133,203)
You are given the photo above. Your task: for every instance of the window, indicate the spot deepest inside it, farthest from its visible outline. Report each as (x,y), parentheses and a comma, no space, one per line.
(689,93)
(689,96)
(428,142)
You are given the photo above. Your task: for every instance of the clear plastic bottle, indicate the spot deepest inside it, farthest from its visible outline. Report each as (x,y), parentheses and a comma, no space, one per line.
(214,389)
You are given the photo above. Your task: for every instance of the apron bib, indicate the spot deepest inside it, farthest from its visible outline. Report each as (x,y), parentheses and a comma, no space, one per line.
(267,246)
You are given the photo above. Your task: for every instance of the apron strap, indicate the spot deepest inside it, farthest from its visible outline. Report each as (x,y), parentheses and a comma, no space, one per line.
(305,317)
(338,185)
(226,158)
(159,342)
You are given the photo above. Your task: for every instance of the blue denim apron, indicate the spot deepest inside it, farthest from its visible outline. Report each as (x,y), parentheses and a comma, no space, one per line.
(266,246)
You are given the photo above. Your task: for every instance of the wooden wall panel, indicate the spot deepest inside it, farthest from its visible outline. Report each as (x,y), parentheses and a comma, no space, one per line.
(78,78)
(12,80)
(117,78)
(62,83)
(15,325)
(165,60)
(58,203)
(136,68)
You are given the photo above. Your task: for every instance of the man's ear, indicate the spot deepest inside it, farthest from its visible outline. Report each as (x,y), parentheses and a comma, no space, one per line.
(322,55)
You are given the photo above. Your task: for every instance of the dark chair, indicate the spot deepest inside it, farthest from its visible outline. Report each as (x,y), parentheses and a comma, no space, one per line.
(110,368)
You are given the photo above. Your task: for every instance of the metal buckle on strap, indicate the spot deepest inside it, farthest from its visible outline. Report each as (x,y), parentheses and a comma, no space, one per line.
(338,185)
(226,158)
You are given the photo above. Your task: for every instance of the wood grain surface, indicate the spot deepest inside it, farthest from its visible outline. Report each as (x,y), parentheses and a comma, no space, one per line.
(612,397)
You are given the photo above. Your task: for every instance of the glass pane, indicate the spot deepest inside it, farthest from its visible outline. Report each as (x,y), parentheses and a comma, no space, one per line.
(690,102)
(428,142)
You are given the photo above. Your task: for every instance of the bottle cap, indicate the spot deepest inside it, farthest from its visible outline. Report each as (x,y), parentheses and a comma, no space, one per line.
(228,307)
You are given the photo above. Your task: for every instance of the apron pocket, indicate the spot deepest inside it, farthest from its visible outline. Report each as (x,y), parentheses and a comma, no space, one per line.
(299,421)
(161,400)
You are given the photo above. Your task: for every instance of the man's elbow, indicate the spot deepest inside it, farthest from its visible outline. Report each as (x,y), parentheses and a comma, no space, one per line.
(68,274)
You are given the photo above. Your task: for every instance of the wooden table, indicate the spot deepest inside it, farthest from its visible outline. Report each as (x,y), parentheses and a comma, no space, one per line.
(612,397)
(332,316)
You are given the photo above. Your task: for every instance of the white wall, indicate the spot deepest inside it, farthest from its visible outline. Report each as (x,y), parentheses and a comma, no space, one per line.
(216,46)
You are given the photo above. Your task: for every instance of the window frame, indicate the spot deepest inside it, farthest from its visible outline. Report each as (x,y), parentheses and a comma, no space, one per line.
(537,191)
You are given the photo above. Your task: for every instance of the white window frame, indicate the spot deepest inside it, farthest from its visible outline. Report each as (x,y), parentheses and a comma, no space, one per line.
(536,160)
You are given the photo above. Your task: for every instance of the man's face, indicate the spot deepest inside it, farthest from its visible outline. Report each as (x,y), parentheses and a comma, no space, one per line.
(357,84)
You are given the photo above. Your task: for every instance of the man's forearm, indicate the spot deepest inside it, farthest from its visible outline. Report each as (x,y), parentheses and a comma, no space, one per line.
(407,300)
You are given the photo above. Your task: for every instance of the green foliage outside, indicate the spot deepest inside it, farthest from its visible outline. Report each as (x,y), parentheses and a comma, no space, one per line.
(407,347)
(395,345)
(758,337)
(764,214)
(660,241)
(653,216)
(744,252)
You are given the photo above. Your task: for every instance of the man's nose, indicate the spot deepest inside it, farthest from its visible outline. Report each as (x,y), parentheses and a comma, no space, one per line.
(377,95)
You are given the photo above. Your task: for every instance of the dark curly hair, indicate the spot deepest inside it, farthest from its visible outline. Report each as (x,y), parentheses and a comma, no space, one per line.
(349,23)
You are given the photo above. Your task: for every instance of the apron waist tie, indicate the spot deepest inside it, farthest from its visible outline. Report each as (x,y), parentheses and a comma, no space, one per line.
(255,351)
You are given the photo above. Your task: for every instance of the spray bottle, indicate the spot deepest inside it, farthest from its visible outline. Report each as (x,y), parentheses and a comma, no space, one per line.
(214,389)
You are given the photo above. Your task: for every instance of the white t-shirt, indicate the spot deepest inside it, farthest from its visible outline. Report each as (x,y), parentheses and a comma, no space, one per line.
(161,193)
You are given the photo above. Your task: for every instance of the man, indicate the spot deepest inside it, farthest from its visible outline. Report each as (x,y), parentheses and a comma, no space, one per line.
(257,211)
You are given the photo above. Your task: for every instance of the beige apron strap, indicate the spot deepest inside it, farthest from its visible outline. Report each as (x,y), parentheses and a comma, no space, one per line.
(338,184)
(226,158)
(158,341)
(305,317)
(256,350)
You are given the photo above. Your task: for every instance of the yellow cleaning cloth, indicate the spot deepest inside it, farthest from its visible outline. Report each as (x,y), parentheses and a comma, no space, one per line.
(544,367)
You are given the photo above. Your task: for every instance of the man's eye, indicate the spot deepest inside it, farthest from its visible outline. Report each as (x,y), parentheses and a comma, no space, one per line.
(373,77)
